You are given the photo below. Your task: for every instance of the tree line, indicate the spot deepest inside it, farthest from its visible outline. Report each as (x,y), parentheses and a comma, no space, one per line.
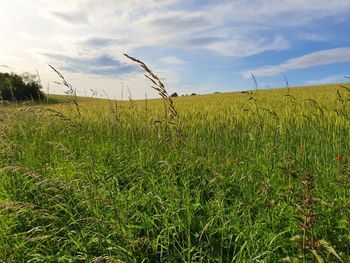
(14,87)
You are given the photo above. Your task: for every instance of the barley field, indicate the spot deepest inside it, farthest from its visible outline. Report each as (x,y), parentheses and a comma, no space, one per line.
(258,176)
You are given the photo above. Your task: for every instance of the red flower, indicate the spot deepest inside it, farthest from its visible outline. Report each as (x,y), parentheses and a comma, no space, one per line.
(340,157)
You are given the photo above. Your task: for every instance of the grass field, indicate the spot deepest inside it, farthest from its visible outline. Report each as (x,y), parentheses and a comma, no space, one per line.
(235,177)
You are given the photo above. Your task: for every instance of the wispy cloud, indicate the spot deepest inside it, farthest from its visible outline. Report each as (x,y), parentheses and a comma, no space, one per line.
(318,58)
(177,22)
(102,65)
(280,13)
(173,60)
(72,18)
(338,78)
(313,37)
(243,46)
(100,42)
(229,28)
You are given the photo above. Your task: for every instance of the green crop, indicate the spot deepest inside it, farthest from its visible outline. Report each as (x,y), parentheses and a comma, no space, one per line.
(260,176)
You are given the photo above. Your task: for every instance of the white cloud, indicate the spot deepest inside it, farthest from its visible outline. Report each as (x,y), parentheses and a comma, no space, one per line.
(313,37)
(230,28)
(338,78)
(173,60)
(138,23)
(323,57)
(243,46)
(280,13)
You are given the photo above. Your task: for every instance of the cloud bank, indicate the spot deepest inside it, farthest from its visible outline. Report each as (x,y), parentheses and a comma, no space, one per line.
(319,58)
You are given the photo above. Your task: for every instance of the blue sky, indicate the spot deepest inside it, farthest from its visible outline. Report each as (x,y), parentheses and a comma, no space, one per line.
(194,46)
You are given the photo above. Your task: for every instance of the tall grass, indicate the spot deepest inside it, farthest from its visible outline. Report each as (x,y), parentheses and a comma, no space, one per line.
(249,181)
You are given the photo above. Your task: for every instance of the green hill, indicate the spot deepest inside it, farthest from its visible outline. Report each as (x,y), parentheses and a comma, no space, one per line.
(261,176)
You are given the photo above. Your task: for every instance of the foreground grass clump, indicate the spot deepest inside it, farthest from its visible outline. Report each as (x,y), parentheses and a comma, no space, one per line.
(261,177)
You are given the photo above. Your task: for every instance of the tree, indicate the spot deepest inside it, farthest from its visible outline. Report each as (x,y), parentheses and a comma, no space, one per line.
(174,95)
(21,88)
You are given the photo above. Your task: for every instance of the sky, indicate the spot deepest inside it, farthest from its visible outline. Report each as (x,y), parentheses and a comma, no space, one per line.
(194,46)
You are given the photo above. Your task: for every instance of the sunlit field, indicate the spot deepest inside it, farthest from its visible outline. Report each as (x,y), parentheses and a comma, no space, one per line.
(260,176)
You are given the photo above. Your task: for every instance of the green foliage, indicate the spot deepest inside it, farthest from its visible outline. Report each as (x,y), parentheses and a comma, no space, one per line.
(14,87)
(253,178)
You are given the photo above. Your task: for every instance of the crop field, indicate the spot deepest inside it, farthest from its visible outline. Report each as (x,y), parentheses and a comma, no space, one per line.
(258,176)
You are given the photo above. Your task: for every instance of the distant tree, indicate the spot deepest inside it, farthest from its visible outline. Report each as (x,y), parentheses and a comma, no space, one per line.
(174,95)
(16,87)
(193,94)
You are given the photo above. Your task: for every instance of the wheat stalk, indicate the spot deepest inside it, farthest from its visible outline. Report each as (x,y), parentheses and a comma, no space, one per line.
(158,86)
(71,91)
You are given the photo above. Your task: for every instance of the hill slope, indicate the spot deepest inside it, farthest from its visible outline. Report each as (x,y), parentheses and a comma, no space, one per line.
(252,177)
